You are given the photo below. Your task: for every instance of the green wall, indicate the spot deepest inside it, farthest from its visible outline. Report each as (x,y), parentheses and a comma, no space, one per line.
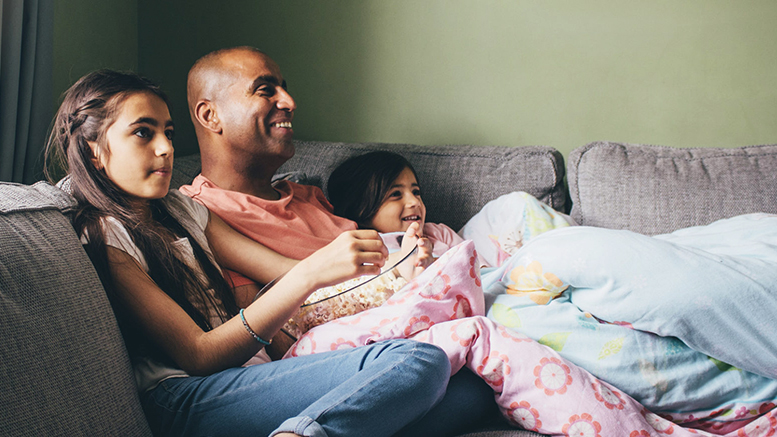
(692,73)
(92,34)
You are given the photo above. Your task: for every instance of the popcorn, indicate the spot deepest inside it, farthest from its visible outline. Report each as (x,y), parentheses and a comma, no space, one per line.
(328,303)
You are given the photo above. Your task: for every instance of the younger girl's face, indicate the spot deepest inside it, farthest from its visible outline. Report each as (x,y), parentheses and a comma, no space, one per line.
(140,147)
(401,206)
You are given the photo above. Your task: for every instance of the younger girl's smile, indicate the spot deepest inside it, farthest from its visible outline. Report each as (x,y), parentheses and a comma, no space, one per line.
(401,206)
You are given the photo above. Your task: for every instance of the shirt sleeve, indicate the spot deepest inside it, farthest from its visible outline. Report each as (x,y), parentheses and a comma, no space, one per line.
(116,236)
(442,233)
(235,279)
(194,209)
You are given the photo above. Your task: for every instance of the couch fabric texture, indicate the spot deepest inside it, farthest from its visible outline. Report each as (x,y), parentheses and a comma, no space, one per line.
(655,190)
(63,364)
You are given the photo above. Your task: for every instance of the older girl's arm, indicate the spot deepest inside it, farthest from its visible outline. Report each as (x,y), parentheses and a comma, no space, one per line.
(201,353)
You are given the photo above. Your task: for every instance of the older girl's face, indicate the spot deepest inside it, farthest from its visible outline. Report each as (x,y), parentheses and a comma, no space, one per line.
(401,206)
(139,158)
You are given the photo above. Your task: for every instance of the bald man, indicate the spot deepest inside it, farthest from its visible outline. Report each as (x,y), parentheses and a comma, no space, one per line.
(242,114)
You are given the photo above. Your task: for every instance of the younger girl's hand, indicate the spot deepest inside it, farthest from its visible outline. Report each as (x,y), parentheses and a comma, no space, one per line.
(351,254)
(423,257)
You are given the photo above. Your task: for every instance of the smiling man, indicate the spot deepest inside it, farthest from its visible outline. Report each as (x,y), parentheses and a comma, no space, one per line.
(242,114)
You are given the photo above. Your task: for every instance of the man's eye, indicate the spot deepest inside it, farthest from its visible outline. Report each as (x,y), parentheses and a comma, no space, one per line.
(265,90)
(170,134)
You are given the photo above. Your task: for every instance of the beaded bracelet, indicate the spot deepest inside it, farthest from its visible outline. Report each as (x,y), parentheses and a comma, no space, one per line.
(251,331)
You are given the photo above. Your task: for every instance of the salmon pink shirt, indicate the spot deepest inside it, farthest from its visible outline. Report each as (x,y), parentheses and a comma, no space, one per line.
(296,225)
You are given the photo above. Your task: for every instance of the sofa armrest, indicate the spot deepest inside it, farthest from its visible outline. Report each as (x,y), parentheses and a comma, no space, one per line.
(63,365)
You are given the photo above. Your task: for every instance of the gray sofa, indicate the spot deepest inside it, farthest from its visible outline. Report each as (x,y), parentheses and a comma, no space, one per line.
(63,366)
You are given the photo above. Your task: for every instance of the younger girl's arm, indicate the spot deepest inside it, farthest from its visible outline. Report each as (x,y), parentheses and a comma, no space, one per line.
(230,345)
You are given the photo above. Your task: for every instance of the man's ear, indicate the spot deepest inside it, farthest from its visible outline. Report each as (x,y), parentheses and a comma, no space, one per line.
(205,113)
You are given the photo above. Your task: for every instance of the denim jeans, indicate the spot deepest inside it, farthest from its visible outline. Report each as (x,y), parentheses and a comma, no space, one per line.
(373,390)
(469,403)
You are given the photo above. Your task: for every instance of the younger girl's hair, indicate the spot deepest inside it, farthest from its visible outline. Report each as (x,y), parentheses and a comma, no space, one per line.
(358,186)
(88,109)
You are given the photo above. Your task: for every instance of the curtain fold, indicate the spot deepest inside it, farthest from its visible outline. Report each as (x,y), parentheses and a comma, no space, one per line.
(26,53)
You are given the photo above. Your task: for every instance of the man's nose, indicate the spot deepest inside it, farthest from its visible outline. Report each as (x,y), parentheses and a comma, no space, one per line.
(285,101)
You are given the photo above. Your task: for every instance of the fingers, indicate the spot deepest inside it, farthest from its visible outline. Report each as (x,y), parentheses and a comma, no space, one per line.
(425,256)
(410,239)
(364,241)
(365,234)
(413,230)
(356,253)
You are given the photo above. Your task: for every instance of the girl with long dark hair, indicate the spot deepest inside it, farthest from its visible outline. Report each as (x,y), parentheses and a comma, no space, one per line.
(159,254)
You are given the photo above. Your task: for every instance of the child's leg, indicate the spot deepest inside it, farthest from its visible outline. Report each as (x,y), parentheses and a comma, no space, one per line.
(372,390)
(540,391)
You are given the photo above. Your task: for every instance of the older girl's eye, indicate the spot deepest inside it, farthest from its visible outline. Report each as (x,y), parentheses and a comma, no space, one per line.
(142,132)
(417,192)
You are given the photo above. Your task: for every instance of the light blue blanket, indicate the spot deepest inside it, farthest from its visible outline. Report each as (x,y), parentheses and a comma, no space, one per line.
(684,322)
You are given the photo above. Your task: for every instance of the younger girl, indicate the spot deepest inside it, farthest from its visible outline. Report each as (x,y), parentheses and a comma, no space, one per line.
(380,190)
(157,253)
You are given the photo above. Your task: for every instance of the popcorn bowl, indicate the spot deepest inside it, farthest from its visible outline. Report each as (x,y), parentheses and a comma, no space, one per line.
(344,299)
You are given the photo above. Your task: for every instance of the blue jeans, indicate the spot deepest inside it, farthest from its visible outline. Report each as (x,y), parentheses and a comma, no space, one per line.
(368,391)
(469,403)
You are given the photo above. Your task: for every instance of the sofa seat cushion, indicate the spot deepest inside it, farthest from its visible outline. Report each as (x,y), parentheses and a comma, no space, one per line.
(63,364)
(655,190)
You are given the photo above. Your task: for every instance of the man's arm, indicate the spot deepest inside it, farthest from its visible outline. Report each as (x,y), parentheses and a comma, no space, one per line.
(246,256)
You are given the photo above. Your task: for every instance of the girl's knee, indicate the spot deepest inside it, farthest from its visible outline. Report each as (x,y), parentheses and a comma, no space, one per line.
(434,353)
(430,362)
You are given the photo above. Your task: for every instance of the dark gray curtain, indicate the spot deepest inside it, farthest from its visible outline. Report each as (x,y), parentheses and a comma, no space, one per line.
(26,48)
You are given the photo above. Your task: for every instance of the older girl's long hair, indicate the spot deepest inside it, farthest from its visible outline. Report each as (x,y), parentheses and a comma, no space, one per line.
(88,109)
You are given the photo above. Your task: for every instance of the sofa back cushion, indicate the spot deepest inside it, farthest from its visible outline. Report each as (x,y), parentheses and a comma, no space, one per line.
(456,180)
(63,364)
(654,189)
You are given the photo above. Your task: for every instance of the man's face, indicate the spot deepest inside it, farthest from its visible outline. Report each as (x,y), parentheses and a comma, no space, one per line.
(255,110)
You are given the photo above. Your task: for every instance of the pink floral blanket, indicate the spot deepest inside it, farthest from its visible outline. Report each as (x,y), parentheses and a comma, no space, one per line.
(535,387)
